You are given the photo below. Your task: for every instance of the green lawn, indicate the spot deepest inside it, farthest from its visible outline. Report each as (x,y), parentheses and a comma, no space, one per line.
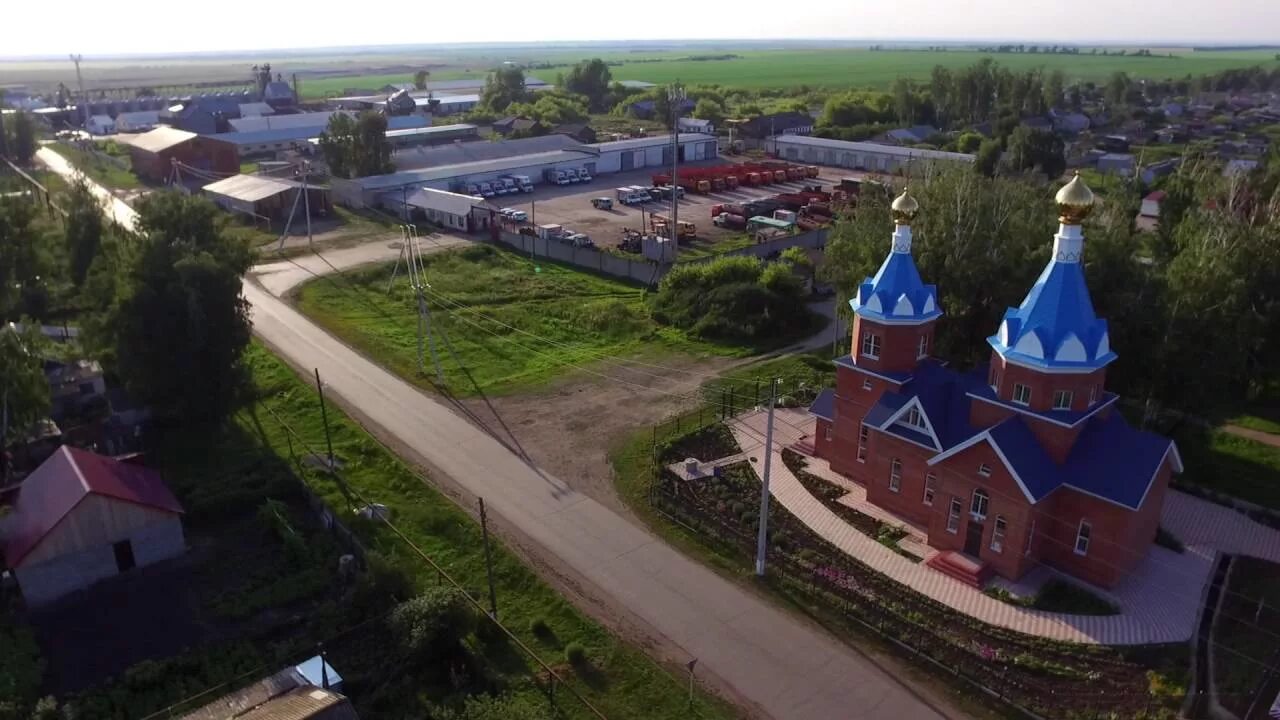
(622,682)
(503,300)
(1230,464)
(114,174)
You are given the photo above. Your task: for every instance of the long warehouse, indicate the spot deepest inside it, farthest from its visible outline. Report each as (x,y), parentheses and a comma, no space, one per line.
(859,155)
(596,159)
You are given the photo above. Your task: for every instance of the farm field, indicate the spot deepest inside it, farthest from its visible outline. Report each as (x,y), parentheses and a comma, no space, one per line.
(479,297)
(328,73)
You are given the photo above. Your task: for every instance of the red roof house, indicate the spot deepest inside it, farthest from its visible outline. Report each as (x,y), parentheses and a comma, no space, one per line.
(81,517)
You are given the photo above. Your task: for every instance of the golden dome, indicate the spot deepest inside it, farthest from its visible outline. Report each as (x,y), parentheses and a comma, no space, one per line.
(904,208)
(1075,201)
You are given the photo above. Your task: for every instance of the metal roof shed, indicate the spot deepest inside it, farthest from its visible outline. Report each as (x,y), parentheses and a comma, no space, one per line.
(262,196)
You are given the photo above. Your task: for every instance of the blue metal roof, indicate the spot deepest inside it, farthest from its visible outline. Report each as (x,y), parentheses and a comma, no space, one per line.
(847,361)
(1055,326)
(824,405)
(896,293)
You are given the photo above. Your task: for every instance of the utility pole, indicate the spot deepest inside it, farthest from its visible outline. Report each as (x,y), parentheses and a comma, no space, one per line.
(676,95)
(762,539)
(324,418)
(488,562)
(84,99)
(306,199)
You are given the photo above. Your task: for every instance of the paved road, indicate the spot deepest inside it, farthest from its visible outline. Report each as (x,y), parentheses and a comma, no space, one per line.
(788,669)
(115,208)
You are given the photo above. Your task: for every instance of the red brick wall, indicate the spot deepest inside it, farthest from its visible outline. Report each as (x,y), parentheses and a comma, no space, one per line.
(908,502)
(958,477)
(852,402)
(200,152)
(822,446)
(899,345)
(1043,384)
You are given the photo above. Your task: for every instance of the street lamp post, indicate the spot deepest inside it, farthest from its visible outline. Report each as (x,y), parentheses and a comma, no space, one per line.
(676,96)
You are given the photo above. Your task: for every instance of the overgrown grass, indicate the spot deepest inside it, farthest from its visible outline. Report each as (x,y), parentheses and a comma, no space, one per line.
(503,323)
(625,683)
(1242,652)
(111,172)
(1226,463)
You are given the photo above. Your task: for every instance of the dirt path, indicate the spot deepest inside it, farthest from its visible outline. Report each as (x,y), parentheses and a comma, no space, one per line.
(1265,438)
(569,428)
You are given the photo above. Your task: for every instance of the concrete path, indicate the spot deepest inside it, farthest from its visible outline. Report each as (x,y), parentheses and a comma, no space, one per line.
(1160,599)
(280,276)
(1265,438)
(115,208)
(784,667)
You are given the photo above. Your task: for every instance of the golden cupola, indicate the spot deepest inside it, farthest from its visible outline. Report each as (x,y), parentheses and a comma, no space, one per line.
(1075,201)
(904,208)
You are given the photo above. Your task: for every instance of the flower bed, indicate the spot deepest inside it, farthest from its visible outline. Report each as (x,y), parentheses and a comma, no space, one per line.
(1053,679)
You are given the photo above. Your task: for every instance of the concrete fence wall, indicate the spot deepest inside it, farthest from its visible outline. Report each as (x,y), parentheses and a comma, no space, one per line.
(640,270)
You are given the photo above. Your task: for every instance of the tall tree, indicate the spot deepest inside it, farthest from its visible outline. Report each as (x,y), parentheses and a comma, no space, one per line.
(904,100)
(181,324)
(708,109)
(1117,89)
(1029,149)
(24,392)
(24,264)
(420,79)
(1053,89)
(24,138)
(590,78)
(84,228)
(503,87)
(356,148)
(988,158)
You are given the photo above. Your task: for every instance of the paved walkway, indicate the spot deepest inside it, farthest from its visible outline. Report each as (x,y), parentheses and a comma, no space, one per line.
(1159,600)
(1265,438)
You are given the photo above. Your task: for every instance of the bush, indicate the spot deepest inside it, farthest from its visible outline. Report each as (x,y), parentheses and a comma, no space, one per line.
(539,628)
(733,299)
(575,654)
(432,625)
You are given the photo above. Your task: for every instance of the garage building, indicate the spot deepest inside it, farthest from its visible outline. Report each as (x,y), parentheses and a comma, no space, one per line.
(624,155)
(153,154)
(81,517)
(448,209)
(860,155)
(265,197)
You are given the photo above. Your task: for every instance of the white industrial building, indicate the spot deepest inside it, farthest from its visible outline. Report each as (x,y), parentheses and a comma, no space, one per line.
(101,125)
(859,155)
(138,121)
(448,209)
(597,159)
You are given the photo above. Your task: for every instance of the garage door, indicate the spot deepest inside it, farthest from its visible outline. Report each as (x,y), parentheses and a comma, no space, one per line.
(710,149)
(628,161)
(666,156)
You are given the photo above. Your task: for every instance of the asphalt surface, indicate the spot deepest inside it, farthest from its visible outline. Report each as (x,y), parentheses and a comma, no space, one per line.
(785,667)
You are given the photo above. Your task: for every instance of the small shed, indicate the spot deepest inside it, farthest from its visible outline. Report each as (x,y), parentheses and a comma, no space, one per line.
(101,125)
(1151,204)
(1116,164)
(138,121)
(265,197)
(454,211)
(81,517)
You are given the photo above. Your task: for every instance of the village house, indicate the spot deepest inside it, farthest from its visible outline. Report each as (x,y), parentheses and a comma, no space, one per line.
(1016,463)
(81,517)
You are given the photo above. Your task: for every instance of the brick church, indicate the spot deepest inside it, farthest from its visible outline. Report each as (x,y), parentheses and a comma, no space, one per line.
(1021,461)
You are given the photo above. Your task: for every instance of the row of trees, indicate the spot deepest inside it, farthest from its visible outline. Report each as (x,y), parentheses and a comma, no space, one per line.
(356,147)
(161,307)
(1196,321)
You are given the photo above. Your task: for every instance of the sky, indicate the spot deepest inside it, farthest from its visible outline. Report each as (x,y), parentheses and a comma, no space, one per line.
(163,26)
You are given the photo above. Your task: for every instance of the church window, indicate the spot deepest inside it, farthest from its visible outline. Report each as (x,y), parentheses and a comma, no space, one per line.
(1082,538)
(1022,394)
(1062,399)
(895,475)
(923,349)
(871,345)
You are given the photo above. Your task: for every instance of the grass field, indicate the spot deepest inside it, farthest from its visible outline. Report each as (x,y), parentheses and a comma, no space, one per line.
(111,172)
(621,681)
(500,296)
(834,67)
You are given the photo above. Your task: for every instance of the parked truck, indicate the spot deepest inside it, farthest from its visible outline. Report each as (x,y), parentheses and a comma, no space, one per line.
(550,232)
(559,177)
(730,221)
(631,196)
(486,190)
(522,182)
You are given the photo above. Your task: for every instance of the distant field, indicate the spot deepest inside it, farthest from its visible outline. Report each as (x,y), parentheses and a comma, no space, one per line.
(836,67)
(864,68)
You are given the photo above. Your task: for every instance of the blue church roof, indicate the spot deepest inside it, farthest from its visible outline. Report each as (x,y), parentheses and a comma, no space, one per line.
(896,293)
(1110,459)
(1055,326)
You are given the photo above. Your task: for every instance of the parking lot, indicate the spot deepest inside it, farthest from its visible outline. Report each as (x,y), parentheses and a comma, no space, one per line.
(570,205)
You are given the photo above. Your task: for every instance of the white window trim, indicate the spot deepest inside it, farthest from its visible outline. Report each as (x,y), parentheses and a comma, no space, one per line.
(1083,532)
(984,470)
(1093,395)
(1031,534)
(895,475)
(998,530)
(872,339)
(1067,395)
(930,488)
(1014,397)
(953,516)
(922,348)
(986,504)
(866,384)
(827,432)
(864,434)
